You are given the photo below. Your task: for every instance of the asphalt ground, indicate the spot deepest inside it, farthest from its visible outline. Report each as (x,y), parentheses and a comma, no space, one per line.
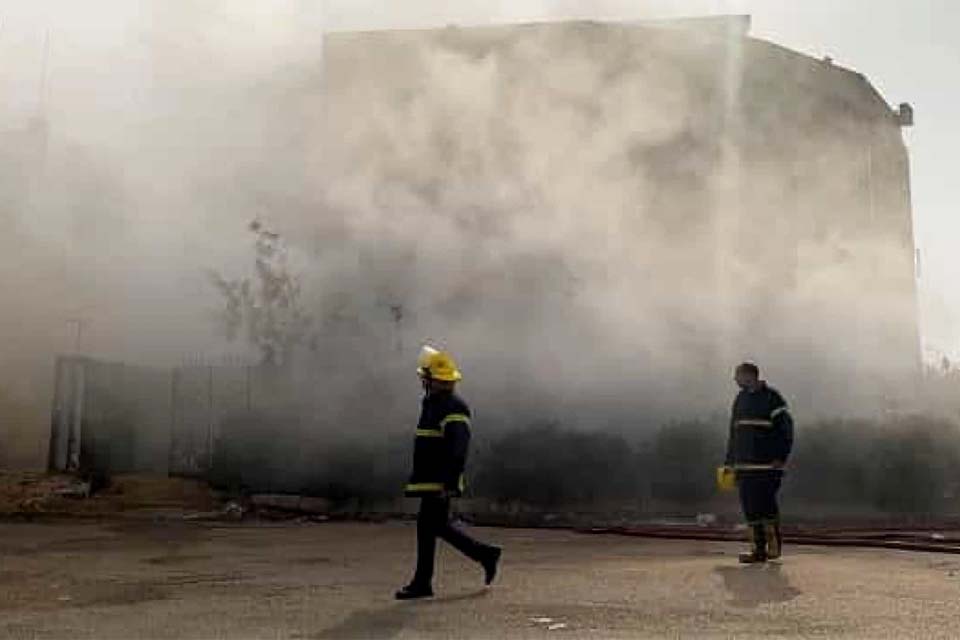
(133,579)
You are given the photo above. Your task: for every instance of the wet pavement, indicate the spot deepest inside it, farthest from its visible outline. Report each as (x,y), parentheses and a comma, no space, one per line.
(333,580)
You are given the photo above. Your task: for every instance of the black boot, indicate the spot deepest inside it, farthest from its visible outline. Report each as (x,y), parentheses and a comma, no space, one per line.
(774,540)
(758,546)
(414,592)
(490,565)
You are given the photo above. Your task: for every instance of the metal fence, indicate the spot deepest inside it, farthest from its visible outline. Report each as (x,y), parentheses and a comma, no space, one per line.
(115,417)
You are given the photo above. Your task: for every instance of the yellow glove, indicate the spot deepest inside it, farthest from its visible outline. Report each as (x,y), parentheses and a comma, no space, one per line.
(726,478)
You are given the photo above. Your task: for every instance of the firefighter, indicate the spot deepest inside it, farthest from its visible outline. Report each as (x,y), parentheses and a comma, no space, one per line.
(761,436)
(439,457)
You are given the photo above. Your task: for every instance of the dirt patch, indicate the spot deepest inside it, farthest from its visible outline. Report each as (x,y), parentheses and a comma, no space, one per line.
(157,492)
(33,493)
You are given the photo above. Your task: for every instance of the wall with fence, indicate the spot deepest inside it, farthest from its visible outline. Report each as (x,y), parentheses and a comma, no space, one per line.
(112,417)
(258,429)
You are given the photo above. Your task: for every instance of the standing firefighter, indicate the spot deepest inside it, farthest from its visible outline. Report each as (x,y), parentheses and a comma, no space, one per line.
(439,457)
(761,436)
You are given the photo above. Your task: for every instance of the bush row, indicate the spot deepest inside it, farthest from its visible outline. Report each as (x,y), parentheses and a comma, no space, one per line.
(899,465)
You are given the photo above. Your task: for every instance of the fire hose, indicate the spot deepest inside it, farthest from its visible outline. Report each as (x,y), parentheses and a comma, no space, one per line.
(897,539)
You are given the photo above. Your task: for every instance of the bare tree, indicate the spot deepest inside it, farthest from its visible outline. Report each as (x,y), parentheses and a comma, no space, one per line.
(267,307)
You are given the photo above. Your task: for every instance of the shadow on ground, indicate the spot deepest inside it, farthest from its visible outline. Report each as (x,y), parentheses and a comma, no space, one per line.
(757,584)
(371,623)
(456,597)
(390,621)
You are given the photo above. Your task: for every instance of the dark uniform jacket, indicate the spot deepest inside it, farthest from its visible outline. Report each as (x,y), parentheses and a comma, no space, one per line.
(761,430)
(440,448)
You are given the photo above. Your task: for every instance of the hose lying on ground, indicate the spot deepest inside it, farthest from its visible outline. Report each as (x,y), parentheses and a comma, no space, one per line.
(901,540)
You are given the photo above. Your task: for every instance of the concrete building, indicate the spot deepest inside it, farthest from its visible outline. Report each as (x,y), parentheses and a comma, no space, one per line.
(712,197)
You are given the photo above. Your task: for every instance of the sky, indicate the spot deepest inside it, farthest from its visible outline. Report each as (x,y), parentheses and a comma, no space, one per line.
(909,50)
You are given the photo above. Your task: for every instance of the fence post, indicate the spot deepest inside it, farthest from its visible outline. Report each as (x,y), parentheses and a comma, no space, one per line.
(172,447)
(210,420)
(76,418)
(246,369)
(54,448)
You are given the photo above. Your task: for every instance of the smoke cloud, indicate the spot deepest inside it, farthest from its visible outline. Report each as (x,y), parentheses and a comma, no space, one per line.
(610,216)
(598,220)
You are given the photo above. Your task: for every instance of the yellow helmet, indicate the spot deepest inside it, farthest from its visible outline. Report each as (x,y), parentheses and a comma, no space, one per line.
(437,365)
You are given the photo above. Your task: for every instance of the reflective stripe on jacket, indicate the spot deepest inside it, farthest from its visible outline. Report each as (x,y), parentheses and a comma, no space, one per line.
(440,447)
(761,430)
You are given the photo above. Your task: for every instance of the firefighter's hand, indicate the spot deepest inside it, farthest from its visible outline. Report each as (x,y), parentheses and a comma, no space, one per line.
(726,478)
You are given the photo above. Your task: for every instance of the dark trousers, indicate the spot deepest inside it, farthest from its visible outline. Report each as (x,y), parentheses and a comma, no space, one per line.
(433,522)
(758,496)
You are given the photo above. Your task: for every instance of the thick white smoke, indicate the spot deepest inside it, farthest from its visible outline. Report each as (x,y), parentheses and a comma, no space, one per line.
(558,205)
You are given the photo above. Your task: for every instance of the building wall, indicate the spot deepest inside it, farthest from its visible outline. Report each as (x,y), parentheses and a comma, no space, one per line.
(844,204)
(707,197)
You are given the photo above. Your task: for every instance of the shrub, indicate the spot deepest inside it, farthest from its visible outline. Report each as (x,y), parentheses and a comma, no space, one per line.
(683,457)
(260,452)
(547,465)
(904,465)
